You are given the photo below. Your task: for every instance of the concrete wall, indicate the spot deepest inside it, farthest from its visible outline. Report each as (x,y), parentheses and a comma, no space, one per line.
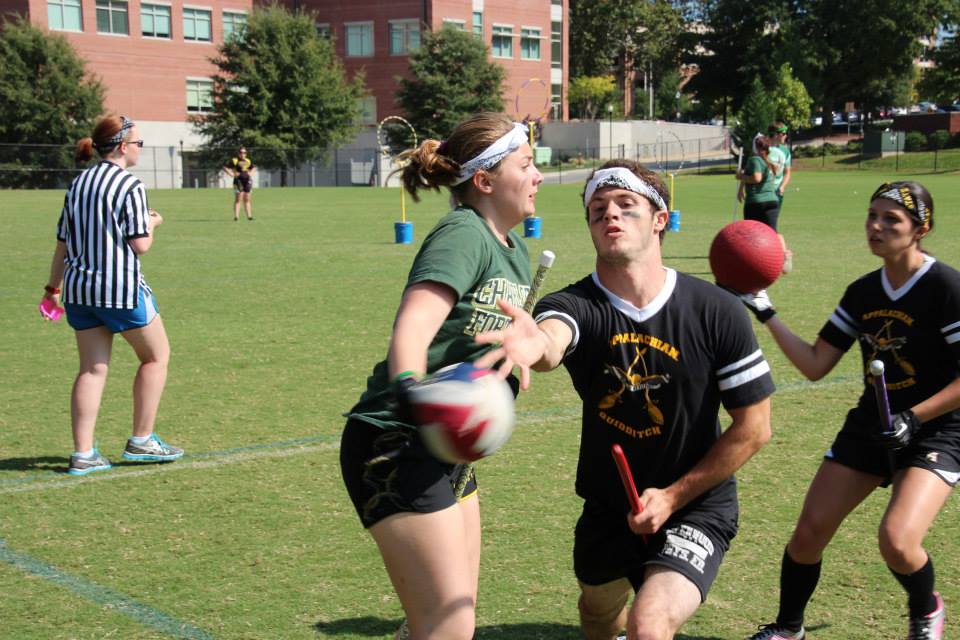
(645,140)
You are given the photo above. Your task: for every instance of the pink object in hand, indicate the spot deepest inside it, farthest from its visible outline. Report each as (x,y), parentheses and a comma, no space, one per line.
(50,310)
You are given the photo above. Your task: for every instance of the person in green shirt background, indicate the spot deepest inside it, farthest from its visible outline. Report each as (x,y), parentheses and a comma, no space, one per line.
(758,189)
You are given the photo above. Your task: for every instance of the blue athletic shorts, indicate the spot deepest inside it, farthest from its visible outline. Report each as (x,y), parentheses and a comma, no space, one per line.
(83,317)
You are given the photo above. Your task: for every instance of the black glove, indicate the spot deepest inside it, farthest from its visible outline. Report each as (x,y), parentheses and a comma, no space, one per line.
(401,396)
(759,303)
(903,426)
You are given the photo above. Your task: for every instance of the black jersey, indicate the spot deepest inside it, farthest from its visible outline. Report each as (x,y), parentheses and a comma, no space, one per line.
(914,330)
(653,379)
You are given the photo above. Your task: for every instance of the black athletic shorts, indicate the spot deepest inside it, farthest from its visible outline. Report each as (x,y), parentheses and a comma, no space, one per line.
(391,471)
(242,183)
(937,450)
(766,212)
(692,543)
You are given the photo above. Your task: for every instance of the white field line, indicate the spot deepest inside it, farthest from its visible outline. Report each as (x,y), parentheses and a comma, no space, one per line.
(63,481)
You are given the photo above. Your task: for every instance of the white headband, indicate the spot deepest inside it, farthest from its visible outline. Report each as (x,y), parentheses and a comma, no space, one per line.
(755,138)
(624,179)
(505,145)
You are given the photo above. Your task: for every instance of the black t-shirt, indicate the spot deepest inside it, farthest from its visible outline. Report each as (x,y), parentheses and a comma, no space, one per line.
(653,379)
(914,330)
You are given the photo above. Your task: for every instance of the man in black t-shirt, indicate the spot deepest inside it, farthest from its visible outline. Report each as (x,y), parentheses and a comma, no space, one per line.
(653,354)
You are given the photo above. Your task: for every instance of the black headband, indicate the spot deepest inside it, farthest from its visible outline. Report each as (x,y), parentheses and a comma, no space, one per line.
(916,207)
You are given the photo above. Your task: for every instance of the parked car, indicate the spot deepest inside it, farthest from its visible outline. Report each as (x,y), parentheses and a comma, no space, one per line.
(925,107)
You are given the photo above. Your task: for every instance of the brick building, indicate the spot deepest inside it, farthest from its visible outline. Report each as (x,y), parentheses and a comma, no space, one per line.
(153,55)
(530,40)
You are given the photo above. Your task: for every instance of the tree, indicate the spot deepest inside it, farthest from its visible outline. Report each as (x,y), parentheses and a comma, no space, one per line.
(591,94)
(759,110)
(451,78)
(46,97)
(736,41)
(624,36)
(281,89)
(861,52)
(941,84)
(791,101)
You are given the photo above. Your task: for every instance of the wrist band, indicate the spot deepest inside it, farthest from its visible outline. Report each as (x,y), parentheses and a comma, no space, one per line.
(51,290)
(405,374)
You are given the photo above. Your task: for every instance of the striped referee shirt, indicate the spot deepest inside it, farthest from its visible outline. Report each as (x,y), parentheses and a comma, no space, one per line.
(104,207)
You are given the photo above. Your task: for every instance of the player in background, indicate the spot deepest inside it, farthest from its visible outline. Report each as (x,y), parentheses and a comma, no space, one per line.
(906,314)
(758,189)
(653,354)
(241,167)
(105,226)
(429,540)
(777,133)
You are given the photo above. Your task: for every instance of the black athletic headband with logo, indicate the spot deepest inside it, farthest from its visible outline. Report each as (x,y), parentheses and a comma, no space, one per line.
(117,138)
(916,207)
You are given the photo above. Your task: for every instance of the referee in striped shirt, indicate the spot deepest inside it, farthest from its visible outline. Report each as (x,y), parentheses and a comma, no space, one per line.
(104,228)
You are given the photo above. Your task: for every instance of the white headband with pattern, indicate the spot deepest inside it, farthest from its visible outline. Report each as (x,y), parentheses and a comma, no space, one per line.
(624,179)
(505,145)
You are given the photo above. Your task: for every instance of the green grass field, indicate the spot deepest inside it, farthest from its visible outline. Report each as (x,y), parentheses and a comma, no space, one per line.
(274,326)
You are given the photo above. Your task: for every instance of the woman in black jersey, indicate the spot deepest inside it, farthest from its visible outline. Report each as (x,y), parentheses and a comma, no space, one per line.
(906,314)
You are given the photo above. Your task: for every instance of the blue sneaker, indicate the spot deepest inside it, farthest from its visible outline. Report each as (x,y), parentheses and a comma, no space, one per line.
(82,466)
(153,450)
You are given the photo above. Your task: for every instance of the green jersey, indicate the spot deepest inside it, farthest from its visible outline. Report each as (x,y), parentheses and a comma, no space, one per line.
(462,253)
(765,191)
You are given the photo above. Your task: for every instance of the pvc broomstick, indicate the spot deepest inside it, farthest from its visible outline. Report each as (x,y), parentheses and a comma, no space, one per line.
(736,201)
(546,261)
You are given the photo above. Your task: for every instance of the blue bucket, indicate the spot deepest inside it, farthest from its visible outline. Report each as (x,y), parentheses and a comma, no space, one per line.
(403,232)
(673,223)
(531,227)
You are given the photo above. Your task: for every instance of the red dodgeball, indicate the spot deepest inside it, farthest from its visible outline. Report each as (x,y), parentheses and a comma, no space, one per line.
(746,256)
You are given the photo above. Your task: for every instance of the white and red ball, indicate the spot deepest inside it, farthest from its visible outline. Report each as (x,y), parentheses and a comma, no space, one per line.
(464,412)
(746,256)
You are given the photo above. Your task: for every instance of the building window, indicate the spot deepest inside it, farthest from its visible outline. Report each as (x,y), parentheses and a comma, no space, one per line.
(404,36)
(323,30)
(196,25)
(112,17)
(199,96)
(556,45)
(155,20)
(478,23)
(502,43)
(64,15)
(459,25)
(556,100)
(359,39)
(234,24)
(529,43)
(368,110)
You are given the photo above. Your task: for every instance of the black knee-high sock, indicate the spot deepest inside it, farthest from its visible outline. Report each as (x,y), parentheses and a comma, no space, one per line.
(797,584)
(919,588)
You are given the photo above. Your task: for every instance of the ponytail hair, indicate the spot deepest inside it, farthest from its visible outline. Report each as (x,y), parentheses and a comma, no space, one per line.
(436,164)
(426,168)
(84,150)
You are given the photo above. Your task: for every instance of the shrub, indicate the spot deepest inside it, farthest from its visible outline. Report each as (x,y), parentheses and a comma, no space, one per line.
(938,139)
(914,141)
